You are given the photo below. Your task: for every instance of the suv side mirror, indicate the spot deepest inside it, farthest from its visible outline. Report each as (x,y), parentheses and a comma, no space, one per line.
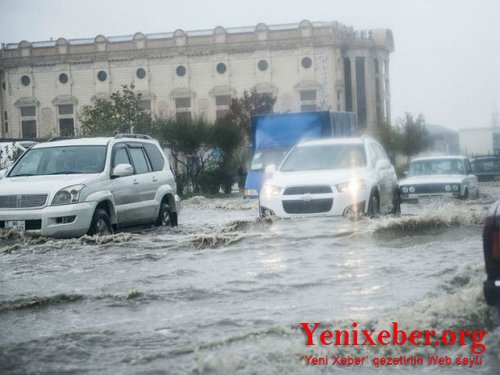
(270,169)
(405,173)
(122,170)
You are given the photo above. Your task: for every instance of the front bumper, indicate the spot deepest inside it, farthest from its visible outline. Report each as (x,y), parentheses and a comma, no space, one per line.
(331,204)
(48,221)
(414,198)
(492,292)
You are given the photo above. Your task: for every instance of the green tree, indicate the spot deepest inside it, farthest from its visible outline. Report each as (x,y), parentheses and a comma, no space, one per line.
(391,138)
(190,143)
(121,114)
(415,137)
(251,103)
(227,139)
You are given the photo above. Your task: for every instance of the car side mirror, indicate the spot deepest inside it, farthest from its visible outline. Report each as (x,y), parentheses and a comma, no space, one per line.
(122,170)
(270,170)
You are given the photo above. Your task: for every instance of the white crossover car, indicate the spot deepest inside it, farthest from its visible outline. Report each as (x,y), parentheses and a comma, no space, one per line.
(67,188)
(438,176)
(334,176)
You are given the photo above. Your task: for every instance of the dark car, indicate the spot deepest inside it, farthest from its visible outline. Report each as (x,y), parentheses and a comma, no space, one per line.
(486,168)
(491,248)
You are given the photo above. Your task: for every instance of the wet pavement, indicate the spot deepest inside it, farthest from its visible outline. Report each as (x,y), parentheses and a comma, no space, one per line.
(224,292)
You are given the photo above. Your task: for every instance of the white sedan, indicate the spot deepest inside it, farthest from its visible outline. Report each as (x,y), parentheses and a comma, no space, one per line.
(438,176)
(334,176)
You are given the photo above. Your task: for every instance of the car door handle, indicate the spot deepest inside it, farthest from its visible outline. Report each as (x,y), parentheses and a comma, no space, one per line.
(155,179)
(136,182)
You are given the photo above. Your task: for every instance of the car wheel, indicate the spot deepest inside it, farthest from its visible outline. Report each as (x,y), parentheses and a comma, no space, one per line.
(165,216)
(373,205)
(396,203)
(101,224)
(466,194)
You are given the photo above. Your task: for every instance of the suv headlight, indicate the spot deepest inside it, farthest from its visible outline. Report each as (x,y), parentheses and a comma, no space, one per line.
(455,187)
(352,187)
(270,190)
(68,195)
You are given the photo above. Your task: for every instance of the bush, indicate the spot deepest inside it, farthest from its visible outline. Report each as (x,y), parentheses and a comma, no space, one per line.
(210,181)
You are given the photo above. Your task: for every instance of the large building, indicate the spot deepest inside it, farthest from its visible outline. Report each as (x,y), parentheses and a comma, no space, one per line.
(305,66)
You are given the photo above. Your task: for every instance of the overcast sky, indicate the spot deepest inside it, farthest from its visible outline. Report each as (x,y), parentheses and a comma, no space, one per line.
(446,64)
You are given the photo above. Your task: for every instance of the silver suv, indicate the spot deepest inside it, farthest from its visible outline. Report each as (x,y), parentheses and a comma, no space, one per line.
(67,188)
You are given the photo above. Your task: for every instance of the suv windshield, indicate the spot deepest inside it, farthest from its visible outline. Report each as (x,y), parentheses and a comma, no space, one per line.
(61,160)
(318,157)
(263,158)
(436,167)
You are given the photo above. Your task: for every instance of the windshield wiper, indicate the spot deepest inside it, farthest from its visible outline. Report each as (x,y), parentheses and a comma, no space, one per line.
(23,175)
(66,172)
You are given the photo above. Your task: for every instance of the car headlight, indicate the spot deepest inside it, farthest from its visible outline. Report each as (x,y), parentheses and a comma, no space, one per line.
(455,187)
(447,187)
(68,195)
(270,190)
(411,189)
(352,187)
(404,189)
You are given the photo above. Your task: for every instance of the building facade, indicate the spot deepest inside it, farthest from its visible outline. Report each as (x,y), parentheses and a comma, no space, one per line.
(305,66)
(479,141)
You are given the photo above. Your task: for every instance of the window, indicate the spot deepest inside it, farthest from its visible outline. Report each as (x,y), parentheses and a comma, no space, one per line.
(263,65)
(154,156)
(6,124)
(306,62)
(181,71)
(29,129)
(66,120)
(221,68)
(63,78)
(28,122)
(140,73)
(121,157)
(308,101)
(139,160)
(183,109)
(102,76)
(28,111)
(4,86)
(222,105)
(361,91)
(25,80)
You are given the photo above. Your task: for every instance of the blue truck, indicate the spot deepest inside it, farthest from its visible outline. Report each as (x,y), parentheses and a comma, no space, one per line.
(273,135)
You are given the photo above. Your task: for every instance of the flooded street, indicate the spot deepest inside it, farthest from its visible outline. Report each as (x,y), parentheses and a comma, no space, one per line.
(224,292)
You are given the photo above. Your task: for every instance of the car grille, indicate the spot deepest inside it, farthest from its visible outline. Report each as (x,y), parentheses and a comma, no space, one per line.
(29,224)
(22,201)
(314,206)
(430,188)
(296,190)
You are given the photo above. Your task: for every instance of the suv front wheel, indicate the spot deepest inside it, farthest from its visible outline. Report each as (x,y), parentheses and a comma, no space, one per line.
(101,224)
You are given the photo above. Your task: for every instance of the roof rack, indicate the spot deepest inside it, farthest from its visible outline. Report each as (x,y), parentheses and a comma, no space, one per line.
(133,135)
(61,138)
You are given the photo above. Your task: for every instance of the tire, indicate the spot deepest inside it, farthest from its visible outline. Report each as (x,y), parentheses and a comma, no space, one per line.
(100,224)
(466,195)
(165,217)
(396,203)
(373,205)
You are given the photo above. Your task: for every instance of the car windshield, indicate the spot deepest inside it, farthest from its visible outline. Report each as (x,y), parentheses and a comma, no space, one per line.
(61,160)
(486,165)
(320,157)
(263,158)
(436,167)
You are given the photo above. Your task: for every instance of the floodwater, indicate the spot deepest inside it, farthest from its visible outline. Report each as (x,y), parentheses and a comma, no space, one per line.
(225,292)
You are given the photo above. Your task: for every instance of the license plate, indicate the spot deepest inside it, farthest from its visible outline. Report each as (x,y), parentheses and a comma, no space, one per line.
(17,225)
(426,200)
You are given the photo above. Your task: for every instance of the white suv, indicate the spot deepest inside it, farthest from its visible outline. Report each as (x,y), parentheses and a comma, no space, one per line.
(67,188)
(334,176)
